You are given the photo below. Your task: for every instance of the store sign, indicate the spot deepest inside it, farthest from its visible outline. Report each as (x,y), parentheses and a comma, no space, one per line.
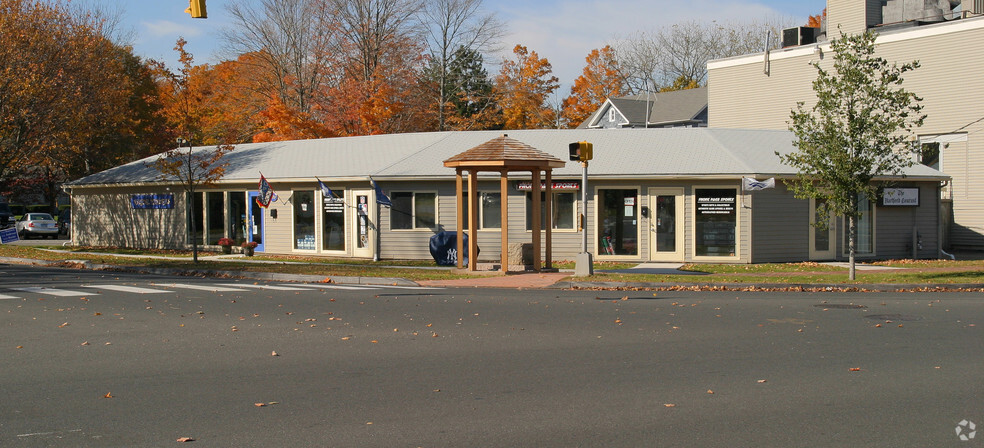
(527,185)
(334,205)
(152,201)
(716,205)
(900,197)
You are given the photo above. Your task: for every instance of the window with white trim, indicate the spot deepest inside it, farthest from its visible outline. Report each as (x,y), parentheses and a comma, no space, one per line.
(564,210)
(413,210)
(489,211)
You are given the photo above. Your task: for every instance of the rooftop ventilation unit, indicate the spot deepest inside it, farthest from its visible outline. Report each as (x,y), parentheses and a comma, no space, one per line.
(801,35)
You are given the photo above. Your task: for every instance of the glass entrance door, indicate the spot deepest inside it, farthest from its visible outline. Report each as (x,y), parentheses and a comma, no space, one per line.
(821,239)
(665,224)
(618,222)
(254,222)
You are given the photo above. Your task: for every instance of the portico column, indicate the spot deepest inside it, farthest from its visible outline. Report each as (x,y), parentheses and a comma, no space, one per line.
(460,223)
(504,204)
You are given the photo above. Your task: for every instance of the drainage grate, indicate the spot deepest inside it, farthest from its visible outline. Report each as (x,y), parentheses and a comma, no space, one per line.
(840,306)
(894,317)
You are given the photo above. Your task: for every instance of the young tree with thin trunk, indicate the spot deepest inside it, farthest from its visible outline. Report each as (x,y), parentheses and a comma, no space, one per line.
(860,128)
(192,169)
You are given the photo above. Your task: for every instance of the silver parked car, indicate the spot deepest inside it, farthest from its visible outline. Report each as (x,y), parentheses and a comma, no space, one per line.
(37,224)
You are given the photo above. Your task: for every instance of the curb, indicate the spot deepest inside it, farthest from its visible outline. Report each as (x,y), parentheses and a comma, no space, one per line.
(804,287)
(86,264)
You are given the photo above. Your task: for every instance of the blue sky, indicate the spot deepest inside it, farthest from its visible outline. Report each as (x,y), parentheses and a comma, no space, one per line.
(563,31)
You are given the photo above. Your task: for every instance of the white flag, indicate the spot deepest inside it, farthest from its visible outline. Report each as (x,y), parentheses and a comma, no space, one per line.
(751,184)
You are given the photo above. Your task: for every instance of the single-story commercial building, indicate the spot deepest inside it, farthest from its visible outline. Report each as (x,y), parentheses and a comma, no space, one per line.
(671,194)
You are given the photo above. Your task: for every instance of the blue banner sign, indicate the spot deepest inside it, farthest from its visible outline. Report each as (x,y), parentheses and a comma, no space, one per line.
(141,201)
(8,235)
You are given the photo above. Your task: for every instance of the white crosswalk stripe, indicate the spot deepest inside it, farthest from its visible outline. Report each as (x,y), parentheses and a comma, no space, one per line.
(55,291)
(133,289)
(3,297)
(198,287)
(262,286)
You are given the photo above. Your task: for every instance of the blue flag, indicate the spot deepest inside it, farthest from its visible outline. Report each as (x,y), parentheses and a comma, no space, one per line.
(325,191)
(381,198)
(267,195)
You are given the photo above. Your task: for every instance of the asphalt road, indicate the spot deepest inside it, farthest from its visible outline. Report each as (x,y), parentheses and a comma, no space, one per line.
(392,367)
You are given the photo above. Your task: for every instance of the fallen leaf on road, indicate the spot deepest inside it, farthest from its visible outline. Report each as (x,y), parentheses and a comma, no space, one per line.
(855,369)
(259,405)
(274,354)
(670,405)
(710,391)
(108,395)
(85,343)
(185,439)
(761,381)
(63,325)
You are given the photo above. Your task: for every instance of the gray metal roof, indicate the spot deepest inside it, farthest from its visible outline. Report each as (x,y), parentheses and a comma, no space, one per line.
(618,153)
(678,106)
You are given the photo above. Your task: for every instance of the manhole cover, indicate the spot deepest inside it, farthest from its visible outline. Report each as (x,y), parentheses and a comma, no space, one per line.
(840,306)
(894,317)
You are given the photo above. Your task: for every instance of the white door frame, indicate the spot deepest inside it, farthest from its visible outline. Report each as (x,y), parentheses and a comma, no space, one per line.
(363,238)
(654,253)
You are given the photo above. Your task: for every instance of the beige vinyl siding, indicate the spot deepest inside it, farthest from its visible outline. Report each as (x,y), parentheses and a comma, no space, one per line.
(781,225)
(740,95)
(965,162)
(894,225)
(104,217)
(277,231)
(850,14)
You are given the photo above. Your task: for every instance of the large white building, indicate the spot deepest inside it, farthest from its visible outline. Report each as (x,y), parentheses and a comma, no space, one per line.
(759,90)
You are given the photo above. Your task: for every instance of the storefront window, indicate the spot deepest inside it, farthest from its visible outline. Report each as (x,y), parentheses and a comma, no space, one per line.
(237,216)
(196,217)
(333,222)
(216,216)
(618,222)
(303,202)
(491,210)
(413,210)
(717,222)
(563,210)
(865,244)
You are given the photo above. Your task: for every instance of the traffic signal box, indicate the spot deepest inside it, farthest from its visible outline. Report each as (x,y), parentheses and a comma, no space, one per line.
(581,151)
(197,9)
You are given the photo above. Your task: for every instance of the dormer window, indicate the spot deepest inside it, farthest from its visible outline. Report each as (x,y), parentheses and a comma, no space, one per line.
(611,114)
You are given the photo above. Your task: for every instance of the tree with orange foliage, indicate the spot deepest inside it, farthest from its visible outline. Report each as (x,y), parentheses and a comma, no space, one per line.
(523,89)
(64,93)
(817,20)
(599,81)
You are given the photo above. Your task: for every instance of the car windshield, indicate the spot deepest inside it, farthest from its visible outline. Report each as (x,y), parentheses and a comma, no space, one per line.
(39,217)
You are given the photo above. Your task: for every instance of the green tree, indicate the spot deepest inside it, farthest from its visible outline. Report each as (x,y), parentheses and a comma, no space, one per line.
(469,93)
(860,128)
